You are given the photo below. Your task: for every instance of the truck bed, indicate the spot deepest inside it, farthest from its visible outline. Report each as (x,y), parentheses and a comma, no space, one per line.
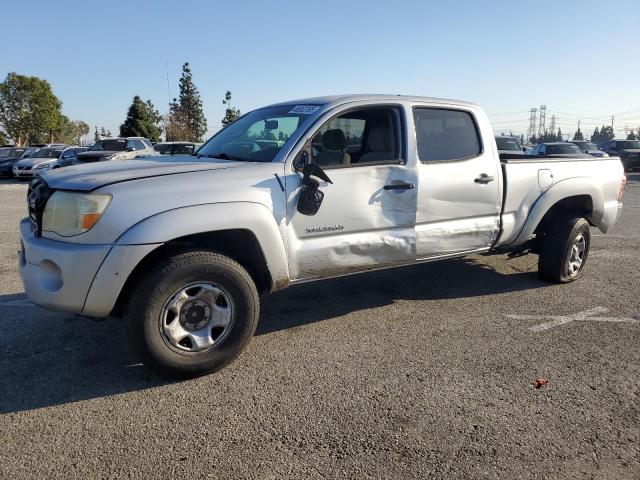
(532,180)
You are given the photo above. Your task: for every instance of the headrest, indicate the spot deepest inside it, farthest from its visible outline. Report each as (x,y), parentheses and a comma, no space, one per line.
(378,139)
(334,139)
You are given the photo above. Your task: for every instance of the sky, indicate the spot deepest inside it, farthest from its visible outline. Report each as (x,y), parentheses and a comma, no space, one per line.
(579,58)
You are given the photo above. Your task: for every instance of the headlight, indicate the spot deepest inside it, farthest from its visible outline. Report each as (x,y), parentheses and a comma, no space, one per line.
(43,165)
(69,213)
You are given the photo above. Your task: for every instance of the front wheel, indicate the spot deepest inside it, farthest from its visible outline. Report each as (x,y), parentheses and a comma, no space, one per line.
(193,314)
(564,250)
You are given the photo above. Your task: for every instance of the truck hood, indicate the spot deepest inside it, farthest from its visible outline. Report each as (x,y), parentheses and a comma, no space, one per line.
(87,177)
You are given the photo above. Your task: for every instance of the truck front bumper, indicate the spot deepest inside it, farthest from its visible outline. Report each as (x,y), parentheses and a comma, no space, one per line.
(74,277)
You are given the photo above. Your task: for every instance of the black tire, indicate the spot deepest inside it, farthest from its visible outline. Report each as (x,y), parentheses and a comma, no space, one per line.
(556,249)
(143,314)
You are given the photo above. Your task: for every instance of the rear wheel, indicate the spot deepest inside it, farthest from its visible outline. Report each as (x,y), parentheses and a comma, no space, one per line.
(193,314)
(564,249)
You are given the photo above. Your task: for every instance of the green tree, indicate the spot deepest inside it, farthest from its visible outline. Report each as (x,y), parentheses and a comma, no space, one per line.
(96,135)
(595,136)
(578,135)
(559,137)
(142,121)
(231,114)
(69,131)
(28,108)
(81,130)
(607,133)
(632,135)
(186,116)
(3,138)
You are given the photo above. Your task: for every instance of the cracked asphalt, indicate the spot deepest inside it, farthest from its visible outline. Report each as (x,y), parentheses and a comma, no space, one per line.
(411,373)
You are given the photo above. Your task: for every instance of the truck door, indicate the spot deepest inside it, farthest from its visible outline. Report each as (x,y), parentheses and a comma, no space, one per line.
(367,216)
(459,182)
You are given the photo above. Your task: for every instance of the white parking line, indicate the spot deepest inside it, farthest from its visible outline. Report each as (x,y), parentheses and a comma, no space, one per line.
(557,320)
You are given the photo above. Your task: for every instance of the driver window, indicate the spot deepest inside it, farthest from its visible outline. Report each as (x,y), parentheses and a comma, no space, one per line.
(368,136)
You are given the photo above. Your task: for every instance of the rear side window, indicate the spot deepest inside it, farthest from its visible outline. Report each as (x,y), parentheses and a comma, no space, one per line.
(445,135)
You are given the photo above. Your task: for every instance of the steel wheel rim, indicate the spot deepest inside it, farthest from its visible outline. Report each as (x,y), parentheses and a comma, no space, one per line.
(576,255)
(197,318)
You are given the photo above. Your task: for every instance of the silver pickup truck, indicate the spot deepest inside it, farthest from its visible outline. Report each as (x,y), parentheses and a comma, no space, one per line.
(182,247)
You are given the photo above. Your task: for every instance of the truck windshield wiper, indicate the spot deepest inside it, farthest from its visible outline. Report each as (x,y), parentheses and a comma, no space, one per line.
(224,156)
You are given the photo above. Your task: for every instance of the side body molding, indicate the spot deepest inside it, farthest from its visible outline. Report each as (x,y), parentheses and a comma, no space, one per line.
(255,217)
(571,187)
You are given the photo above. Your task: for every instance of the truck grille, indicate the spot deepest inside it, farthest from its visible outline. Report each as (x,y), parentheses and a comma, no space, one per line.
(37,196)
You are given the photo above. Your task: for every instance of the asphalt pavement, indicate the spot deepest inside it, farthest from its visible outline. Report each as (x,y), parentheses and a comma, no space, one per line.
(419,372)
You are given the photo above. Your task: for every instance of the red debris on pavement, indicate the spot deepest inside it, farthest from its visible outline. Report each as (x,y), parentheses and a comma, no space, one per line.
(539,382)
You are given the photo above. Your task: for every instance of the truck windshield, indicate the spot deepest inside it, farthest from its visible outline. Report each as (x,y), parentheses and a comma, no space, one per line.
(117,145)
(508,144)
(629,144)
(259,135)
(562,149)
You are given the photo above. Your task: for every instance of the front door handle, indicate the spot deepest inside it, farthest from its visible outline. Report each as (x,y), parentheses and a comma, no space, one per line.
(399,186)
(484,178)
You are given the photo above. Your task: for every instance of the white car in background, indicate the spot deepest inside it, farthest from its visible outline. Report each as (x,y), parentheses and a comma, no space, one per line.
(46,158)
(125,148)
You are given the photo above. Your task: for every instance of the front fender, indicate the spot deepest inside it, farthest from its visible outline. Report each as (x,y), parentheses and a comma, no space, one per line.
(255,217)
(570,187)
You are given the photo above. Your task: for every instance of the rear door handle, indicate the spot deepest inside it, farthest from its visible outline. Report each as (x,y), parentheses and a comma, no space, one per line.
(399,186)
(484,178)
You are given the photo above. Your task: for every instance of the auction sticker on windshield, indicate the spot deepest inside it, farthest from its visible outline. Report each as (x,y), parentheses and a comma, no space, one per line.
(304,109)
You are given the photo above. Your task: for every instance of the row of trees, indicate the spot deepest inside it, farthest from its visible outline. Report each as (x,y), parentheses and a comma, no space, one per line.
(185,120)
(548,136)
(599,135)
(31,113)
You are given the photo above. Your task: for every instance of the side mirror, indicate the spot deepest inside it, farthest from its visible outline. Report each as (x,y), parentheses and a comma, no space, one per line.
(310,199)
(310,196)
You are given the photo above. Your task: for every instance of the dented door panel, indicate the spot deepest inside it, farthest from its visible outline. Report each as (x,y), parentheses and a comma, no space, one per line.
(456,211)
(359,225)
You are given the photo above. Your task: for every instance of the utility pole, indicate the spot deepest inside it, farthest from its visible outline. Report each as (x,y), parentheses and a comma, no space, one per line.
(552,129)
(532,123)
(542,123)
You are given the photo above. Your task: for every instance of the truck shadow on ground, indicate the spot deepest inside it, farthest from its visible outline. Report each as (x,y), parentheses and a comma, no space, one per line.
(48,358)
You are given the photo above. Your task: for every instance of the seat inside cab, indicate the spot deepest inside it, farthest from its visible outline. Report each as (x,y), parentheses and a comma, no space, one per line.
(359,137)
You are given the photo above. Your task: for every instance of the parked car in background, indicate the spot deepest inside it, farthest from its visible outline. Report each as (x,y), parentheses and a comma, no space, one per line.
(627,150)
(11,152)
(117,149)
(509,145)
(176,148)
(556,149)
(45,159)
(184,246)
(589,148)
(9,158)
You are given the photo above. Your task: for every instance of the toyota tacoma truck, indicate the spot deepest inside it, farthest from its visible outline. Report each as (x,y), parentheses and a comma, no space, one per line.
(183,247)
